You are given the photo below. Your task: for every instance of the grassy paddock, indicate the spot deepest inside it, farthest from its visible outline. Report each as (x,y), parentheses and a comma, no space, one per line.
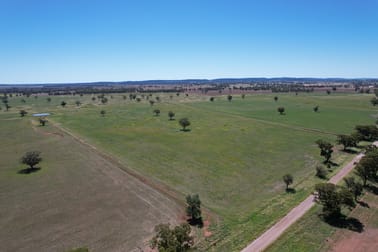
(234,155)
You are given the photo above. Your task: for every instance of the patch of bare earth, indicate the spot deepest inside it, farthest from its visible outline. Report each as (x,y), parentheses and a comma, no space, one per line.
(77,199)
(344,240)
(366,241)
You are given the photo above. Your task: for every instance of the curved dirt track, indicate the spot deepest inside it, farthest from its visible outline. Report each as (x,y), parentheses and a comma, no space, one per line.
(272,234)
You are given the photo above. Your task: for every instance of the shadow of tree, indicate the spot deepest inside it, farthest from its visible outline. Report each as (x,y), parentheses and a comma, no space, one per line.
(363,204)
(196,222)
(343,221)
(29,170)
(185,130)
(372,189)
(350,151)
(291,190)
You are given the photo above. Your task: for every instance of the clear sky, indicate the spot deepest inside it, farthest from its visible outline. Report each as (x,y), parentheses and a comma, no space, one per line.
(91,40)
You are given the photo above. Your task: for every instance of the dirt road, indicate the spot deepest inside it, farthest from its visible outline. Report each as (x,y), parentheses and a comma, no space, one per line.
(272,234)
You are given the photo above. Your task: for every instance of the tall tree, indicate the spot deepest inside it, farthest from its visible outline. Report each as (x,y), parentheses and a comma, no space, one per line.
(288,180)
(325,149)
(193,208)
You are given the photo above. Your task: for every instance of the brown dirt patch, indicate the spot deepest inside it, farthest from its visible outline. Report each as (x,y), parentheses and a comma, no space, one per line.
(357,242)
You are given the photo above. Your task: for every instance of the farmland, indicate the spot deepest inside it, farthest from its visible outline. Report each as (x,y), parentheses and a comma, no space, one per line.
(233,156)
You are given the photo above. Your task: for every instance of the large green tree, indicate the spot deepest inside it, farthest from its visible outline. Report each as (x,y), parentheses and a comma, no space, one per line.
(332,198)
(367,168)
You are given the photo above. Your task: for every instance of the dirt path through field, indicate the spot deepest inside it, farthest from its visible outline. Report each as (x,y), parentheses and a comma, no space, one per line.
(272,234)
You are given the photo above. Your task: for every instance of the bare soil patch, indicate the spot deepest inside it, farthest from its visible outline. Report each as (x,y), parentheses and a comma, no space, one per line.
(76,199)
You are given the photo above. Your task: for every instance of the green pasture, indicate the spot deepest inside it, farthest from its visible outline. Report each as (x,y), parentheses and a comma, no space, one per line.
(234,155)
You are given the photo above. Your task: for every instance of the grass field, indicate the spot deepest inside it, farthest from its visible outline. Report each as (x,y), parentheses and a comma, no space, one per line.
(76,199)
(234,155)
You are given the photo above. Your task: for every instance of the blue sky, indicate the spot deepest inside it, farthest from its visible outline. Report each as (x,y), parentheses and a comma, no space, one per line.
(90,40)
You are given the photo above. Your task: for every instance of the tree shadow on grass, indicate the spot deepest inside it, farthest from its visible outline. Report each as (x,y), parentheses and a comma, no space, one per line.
(343,221)
(185,130)
(291,190)
(350,151)
(196,222)
(29,170)
(372,189)
(363,204)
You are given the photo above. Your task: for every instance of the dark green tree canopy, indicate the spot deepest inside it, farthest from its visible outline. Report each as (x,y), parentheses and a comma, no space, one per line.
(288,180)
(347,141)
(193,209)
(31,158)
(171,114)
(184,122)
(325,149)
(332,198)
(281,110)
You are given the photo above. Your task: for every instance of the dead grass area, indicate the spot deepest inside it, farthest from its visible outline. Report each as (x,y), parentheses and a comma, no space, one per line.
(76,199)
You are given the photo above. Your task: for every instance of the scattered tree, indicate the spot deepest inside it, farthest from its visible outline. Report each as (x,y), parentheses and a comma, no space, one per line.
(229,98)
(347,141)
(48,99)
(316,108)
(184,122)
(275,98)
(193,209)
(42,121)
(354,186)
(157,112)
(104,100)
(63,104)
(281,110)
(321,172)
(243,96)
(328,92)
(177,239)
(78,103)
(171,115)
(288,180)
(325,150)
(367,168)
(367,132)
(211,99)
(152,102)
(374,101)
(31,158)
(332,198)
(102,112)
(23,113)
